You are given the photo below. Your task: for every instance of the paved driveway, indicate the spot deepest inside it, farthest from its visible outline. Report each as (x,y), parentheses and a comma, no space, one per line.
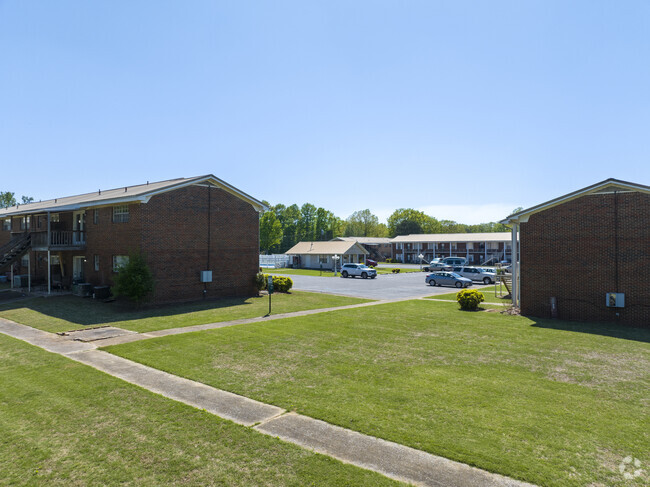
(385,286)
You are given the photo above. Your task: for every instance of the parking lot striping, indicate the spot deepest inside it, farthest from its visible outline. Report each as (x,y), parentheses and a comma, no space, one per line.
(387,458)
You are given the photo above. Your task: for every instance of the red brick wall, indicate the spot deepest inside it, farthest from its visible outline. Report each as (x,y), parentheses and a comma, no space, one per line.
(175,240)
(568,252)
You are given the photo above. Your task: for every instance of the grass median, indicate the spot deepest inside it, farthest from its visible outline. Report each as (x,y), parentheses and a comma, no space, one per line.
(550,402)
(64,313)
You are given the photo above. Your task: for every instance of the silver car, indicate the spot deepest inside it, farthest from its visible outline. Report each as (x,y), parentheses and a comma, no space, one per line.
(437,265)
(476,274)
(447,279)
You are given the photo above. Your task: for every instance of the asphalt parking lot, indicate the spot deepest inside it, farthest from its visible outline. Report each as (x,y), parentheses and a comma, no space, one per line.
(384,286)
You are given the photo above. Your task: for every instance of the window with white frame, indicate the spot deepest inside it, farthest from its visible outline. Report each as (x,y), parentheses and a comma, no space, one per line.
(121,214)
(96,217)
(24,261)
(322,259)
(96,262)
(119,261)
(6,224)
(25,223)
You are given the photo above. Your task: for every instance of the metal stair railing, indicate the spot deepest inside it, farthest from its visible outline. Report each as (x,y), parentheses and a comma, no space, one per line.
(14,249)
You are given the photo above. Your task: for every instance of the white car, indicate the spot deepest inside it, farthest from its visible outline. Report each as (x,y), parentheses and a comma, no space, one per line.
(351,270)
(476,274)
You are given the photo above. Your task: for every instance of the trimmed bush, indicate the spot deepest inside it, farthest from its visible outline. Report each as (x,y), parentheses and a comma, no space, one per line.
(134,280)
(281,284)
(469,299)
(395,271)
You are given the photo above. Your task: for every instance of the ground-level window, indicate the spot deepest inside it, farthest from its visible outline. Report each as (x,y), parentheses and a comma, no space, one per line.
(119,261)
(121,214)
(6,224)
(322,259)
(96,262)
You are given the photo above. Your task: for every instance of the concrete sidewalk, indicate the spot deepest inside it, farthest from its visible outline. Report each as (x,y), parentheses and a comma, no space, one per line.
(390,459)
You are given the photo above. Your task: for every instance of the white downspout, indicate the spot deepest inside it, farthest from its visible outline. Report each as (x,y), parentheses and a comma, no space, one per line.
(515,273)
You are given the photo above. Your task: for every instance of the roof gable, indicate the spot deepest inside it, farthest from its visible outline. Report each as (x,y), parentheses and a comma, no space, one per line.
(604,187)
(327,248)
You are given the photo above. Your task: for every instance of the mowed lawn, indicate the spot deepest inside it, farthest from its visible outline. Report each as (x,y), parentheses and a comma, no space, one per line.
(63,423)
(553,403)
(491,297)
(64,313)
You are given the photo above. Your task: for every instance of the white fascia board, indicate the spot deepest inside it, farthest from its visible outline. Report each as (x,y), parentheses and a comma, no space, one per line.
(78,206)
(524,215)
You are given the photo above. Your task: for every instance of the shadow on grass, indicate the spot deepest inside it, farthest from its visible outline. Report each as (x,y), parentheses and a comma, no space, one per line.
(86,311)
(613,330)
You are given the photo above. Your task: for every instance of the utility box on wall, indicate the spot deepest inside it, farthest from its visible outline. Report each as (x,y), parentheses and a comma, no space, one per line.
(615,300)
(206,276)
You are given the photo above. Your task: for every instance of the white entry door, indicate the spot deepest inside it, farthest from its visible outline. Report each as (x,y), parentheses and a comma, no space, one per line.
(79,227)
(78,268)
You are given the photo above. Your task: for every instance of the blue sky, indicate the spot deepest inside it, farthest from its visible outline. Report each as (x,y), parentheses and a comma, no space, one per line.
(463,109)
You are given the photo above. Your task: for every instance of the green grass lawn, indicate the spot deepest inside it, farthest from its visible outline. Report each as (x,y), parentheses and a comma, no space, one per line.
(64,313)
(300,272)
(63,423)
(488,293)
(550,402)
(383,270)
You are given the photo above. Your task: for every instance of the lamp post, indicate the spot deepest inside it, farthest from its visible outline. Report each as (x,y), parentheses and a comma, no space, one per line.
(420,257)
(335,258)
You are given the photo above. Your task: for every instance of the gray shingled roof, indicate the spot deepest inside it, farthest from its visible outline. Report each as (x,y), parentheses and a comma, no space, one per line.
(140,193)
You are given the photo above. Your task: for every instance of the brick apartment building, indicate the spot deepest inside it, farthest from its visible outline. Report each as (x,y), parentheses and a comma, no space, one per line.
(181,226)
(477,248)
(581,248)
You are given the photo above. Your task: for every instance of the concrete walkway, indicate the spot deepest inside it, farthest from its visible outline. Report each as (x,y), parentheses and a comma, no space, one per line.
(388,458)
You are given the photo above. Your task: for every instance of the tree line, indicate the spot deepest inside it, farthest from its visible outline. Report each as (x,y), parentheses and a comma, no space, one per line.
(284,226)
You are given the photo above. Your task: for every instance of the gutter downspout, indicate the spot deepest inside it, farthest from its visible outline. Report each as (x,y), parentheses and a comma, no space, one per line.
(49,263)
(515,273)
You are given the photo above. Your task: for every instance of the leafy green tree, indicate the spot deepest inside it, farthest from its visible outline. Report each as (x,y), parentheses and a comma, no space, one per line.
(289,218)
(134,280)
(362,224)
(27,199)
(407,220)
(270,232)
(7,199)
(306,223)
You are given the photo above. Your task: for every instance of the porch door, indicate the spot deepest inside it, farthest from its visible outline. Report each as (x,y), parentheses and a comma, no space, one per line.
(79,227)
(78,268)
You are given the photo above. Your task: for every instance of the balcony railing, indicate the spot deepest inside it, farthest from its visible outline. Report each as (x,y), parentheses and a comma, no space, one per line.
(59,239)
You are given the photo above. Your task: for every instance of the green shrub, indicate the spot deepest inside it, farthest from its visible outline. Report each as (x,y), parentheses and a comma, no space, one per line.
(281,284)
(395,271)
(260,281)
(469,299)
(389,260)
(134,280)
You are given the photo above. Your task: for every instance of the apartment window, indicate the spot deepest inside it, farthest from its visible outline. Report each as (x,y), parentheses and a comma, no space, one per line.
(96,262)
(24,261)
(25,223)
(6,224)
(119,261)
(54,218)
(96,217)
(398,246)
(121,214)
(322,259)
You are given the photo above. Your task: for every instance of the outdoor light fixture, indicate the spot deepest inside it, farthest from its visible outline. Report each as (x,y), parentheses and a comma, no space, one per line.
(335,258)
(420,257)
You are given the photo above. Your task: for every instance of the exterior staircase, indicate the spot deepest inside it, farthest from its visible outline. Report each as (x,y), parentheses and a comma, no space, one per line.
(14,249)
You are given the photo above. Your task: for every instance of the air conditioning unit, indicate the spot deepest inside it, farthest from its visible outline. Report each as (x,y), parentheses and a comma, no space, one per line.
(615,300)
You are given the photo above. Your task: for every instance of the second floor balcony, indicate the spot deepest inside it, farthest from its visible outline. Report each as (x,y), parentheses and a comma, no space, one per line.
(59,240)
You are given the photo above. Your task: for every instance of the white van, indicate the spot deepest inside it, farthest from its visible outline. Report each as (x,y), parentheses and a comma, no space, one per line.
(455,261)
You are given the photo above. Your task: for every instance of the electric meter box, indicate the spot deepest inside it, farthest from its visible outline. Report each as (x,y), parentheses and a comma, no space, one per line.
(206,276)
(615,300)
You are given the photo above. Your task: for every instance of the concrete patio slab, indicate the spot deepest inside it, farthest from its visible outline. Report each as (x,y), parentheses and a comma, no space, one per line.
(391,459)
(94,334)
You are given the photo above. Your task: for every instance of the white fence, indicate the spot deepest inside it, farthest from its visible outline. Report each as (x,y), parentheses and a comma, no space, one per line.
(274,261)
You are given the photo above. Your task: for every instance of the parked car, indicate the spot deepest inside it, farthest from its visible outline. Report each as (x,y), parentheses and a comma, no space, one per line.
(352,270)
(371,262)
(476,274)
(437,265)
(455,261)
(447,279)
